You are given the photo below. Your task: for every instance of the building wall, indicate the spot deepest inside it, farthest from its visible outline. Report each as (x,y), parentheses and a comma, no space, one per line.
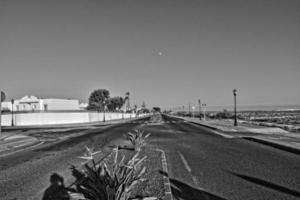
(59,104)
(33,104)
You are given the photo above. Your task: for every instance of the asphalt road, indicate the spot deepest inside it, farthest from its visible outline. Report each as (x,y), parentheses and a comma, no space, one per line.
(201,164)
(25,175)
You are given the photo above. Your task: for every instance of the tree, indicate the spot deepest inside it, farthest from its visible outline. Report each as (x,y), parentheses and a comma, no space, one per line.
(97,100)
(143,105)
(115,103)
(135,108)
(156,109)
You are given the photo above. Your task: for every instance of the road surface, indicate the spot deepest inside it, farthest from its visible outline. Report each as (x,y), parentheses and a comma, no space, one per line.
(201,164)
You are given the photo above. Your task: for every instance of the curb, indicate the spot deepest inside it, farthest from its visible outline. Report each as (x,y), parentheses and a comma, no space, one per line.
(167,185)
(274,144)
(207,126)
(213,129)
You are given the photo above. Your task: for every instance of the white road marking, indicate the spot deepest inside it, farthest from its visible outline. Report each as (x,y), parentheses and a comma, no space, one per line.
(23,144)
(13,142)
(195,180)
(186,165)
(31,147)
(188,168)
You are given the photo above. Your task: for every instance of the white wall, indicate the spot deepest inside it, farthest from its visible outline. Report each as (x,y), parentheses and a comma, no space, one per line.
(48,118)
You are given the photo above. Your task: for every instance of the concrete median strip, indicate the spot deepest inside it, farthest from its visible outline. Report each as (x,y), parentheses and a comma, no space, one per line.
(167,184)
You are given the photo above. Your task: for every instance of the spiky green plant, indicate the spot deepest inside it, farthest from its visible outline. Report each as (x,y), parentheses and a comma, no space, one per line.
(101,182)
(137,139)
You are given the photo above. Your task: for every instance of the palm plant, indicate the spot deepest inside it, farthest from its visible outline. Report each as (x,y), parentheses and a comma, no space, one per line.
(100,182)
(137,139)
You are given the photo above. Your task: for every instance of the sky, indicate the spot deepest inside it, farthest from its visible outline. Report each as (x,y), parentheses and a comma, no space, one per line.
(164,52)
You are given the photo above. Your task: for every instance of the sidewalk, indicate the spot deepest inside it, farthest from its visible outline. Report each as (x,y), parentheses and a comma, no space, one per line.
(275,137)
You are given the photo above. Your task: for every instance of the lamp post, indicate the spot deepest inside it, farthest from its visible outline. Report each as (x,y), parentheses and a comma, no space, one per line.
(12,112)
(193,111)
(2,98)
(234,95)
(104,110)
(204,105)
(199,102)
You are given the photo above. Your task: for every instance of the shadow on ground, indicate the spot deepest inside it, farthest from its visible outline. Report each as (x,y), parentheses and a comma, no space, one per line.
(268,184)
(184,191)
(57,189)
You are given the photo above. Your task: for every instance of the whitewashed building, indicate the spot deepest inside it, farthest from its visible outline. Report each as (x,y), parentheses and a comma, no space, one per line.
(32,103)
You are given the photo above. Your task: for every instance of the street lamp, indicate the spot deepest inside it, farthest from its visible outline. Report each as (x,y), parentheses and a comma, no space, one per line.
(193,112)
(12,112)
(104,110)
(199,102)
(234,94)
(204,105)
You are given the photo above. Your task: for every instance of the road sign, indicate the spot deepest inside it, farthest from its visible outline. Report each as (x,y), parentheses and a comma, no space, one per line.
(3,96)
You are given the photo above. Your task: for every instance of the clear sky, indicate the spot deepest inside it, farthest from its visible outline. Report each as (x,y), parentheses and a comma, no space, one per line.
(165,52)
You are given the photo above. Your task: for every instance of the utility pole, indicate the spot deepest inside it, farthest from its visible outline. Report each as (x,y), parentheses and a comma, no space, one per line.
(190,110)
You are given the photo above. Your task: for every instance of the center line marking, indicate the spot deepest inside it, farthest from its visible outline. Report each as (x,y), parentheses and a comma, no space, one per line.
(186,165)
